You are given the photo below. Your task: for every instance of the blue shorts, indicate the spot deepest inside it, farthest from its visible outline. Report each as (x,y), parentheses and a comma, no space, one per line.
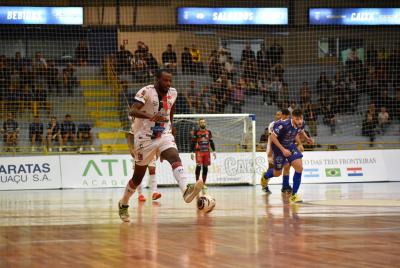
(280,160)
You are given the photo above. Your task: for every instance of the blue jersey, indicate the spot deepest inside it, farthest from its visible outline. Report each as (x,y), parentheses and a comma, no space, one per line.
(286,133)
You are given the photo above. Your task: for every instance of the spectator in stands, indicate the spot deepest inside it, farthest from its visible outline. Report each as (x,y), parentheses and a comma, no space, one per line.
(247,55)
(229,68)
(53,134)
(212,107)
(223,54)
(70,81)
(371,56)
(82,53)
(141,47)
(183,103)
(324,89)
(85,136)
(13,94)
(10,132)
(369,126)
(310,117)
(330,118)
(68,130)
(238,96)
(214,67)
(338,99)
(264,85)
(353,63)
(276,86)
(124,58)
(39,69)
(352,94)
(52,76)
(187,61)
(18,61)
(249,70)
(205,99)
(305,95)
(283,96)
(152,64)
(220,91)
(191,95)
(196,58)
(292,106)
(383,120)
(140,68)
(278,70)
(263,61)
(26,85)
(36,132)
(276,52)
(225,88)
(4,77)
(169,59)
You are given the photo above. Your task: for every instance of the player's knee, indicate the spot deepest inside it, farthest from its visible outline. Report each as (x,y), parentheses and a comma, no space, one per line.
(205,169)
(277,172)
(152,170)
(299,169)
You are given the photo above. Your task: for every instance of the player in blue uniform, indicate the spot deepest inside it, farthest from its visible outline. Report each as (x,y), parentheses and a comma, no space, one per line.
(285,152)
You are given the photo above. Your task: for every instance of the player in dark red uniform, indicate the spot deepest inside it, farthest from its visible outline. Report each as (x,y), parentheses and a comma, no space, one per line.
(202,143)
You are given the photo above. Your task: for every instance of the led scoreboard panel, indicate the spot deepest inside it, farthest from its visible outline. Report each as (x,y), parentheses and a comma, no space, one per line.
(41,15)
(232,16)
(354,16)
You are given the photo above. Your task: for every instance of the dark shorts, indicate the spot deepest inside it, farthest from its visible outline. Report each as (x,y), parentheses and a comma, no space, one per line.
(280,160)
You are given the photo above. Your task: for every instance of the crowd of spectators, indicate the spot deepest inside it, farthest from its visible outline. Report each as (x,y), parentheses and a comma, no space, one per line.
(24,81)
(262,73)
(64,134)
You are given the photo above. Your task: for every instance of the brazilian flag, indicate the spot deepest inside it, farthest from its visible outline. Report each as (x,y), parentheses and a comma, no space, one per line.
(332,172)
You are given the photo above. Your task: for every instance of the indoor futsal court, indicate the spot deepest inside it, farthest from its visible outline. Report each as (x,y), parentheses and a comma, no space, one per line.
(199,134)
(338,225)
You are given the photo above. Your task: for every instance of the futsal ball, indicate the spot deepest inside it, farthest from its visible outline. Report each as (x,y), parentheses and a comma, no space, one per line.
(206,203)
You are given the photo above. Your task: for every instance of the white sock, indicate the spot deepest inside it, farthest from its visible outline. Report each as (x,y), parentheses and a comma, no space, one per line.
(139,189)
(153,182)
(180,177)
(128,192)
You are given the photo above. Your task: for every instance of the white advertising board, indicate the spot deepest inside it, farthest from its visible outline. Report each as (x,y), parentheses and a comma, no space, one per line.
(18,173)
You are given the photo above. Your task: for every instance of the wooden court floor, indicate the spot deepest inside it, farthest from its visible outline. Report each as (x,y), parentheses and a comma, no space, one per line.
(338,225)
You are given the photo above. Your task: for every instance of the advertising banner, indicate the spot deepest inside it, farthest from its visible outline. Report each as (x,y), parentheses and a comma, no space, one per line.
(30,173)
(41,15)
(232,16)
(354,16)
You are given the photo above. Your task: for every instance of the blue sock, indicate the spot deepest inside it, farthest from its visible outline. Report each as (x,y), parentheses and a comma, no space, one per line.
(285,181)
(269,174)
(296,182)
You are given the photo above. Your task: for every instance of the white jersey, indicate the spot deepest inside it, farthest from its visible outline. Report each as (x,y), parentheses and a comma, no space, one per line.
(144,128)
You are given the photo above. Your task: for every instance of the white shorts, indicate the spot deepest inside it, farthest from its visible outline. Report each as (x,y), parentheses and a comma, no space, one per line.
(147,150)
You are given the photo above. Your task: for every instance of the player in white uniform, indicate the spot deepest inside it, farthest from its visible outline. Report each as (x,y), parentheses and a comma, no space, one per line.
(282,115)
(153,110)
(151,168)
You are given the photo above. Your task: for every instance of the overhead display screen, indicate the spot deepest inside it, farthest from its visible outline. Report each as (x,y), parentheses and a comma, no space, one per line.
(41,15)
(232,16)
(354,16)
